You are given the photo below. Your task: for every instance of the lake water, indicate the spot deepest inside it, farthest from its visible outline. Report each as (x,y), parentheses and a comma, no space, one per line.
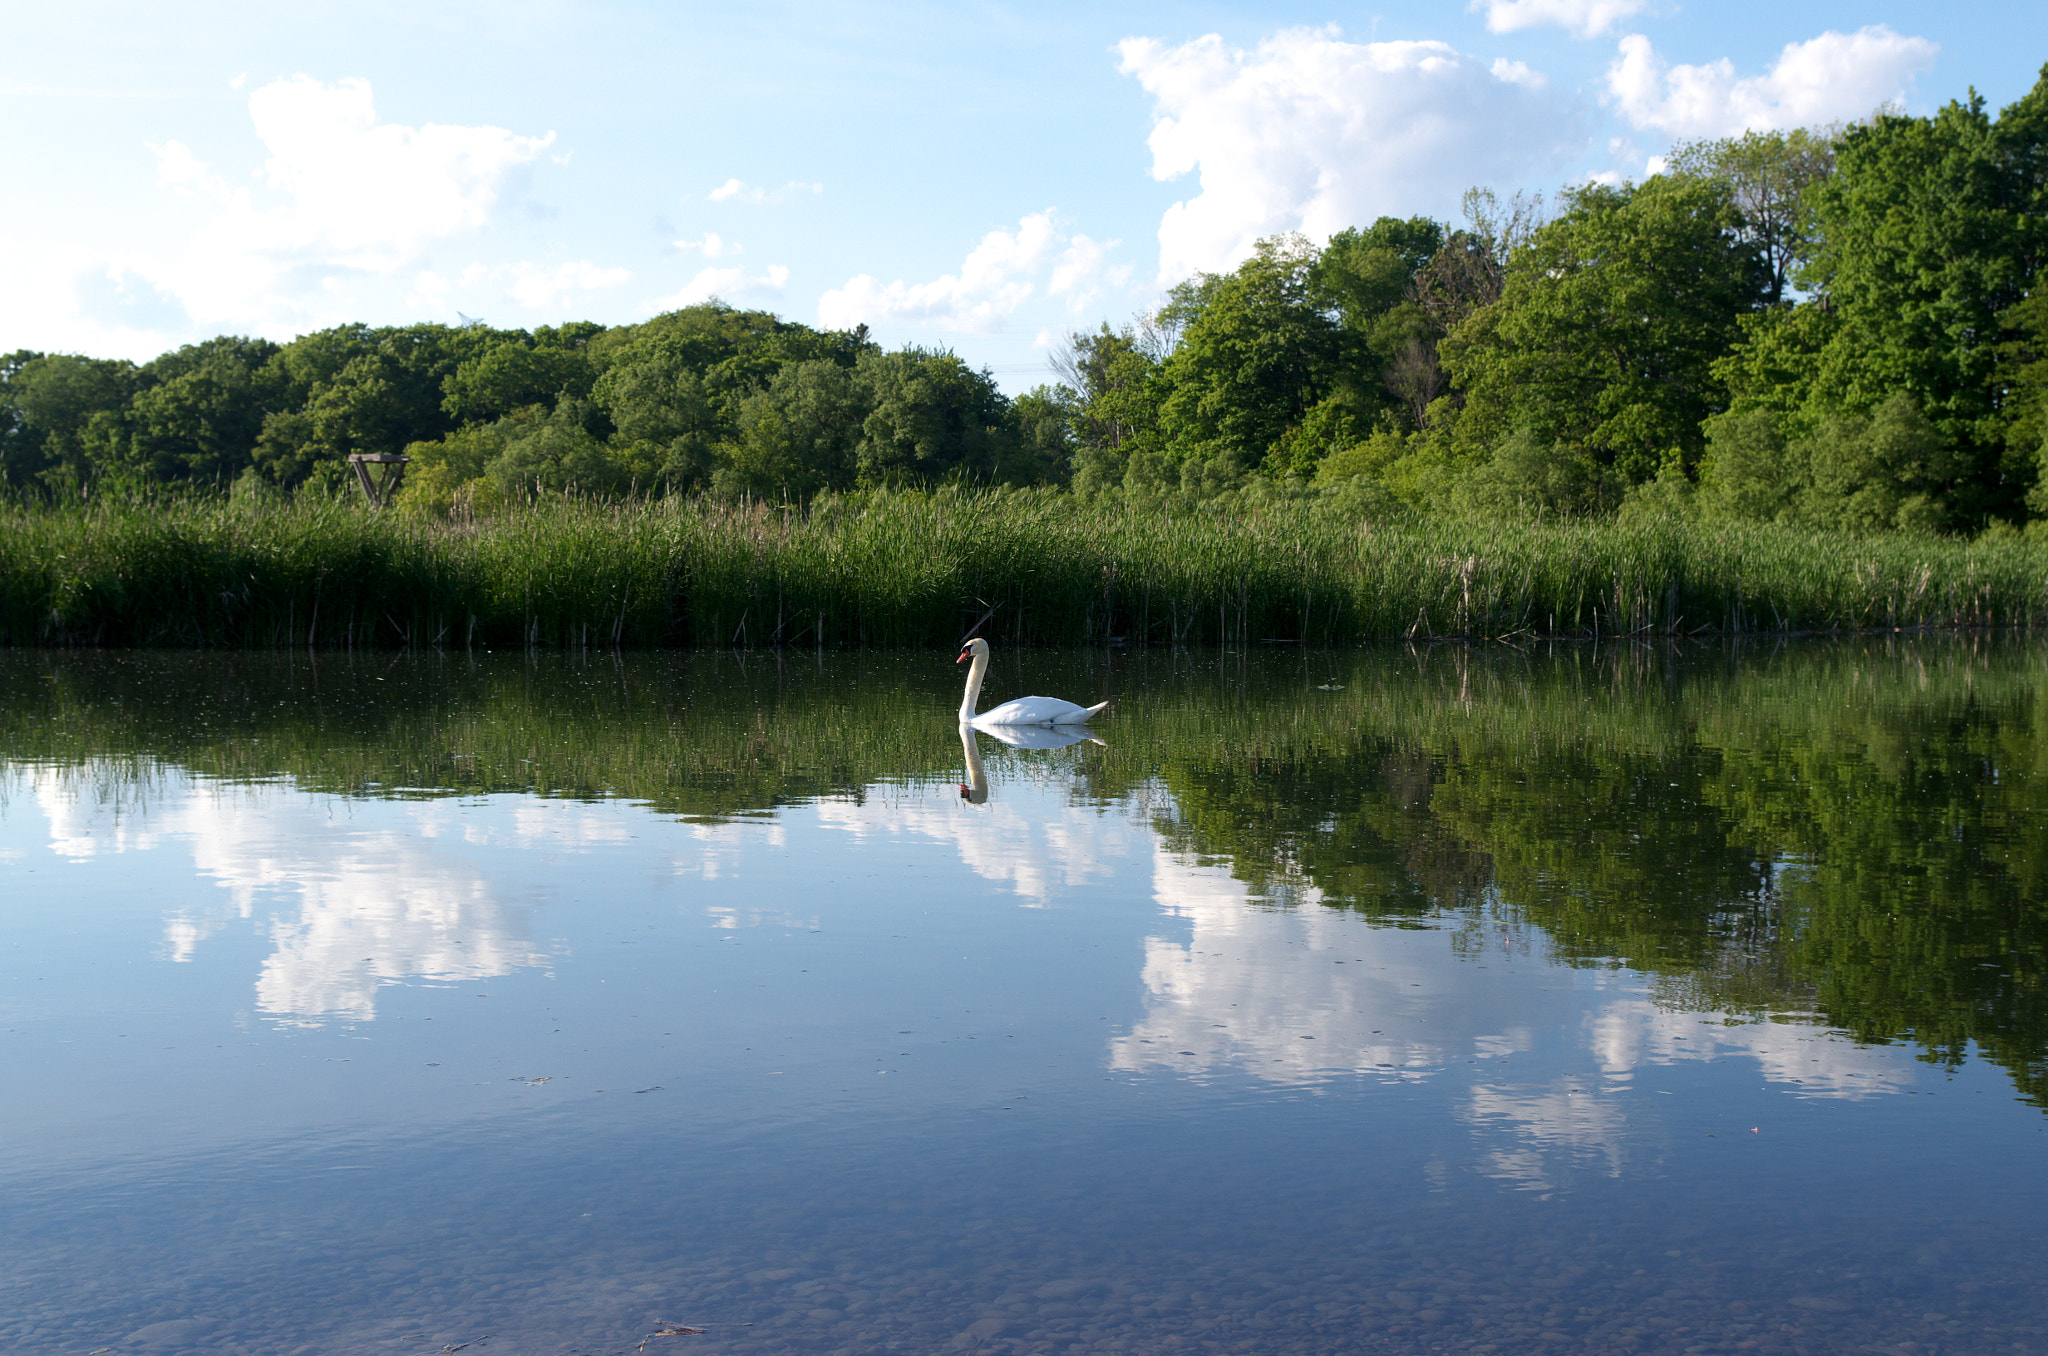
(1621,999)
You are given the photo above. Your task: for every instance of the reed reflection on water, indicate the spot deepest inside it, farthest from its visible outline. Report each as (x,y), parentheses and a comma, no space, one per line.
(1263,1005)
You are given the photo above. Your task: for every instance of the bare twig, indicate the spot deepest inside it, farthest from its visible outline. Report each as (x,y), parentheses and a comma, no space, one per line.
(978,625)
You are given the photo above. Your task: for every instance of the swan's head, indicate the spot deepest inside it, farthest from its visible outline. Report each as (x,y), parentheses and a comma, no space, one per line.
(974,649)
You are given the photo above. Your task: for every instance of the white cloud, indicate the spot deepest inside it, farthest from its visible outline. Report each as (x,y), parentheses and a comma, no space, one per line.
(348,196)
(375,196)
(997,276)
(737,190)
(1084,272)
(1836,76)
(557,288)
(177,168)
(335,215)
(1309,132)
(433,293)
(1582,18)
(1518,73)
(727,284)
(713,245)
(65,297)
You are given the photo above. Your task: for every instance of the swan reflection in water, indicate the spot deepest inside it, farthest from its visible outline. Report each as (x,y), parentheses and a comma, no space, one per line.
(975,789)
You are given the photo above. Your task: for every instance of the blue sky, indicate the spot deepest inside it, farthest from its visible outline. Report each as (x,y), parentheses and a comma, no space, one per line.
(978,176)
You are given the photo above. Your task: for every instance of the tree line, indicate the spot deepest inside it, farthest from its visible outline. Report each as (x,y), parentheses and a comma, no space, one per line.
(1835,327)
(705,397)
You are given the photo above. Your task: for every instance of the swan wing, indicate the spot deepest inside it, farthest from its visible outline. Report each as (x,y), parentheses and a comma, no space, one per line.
(1038,711)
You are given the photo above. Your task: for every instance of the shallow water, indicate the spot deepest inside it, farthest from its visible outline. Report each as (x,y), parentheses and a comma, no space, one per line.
(1638,999)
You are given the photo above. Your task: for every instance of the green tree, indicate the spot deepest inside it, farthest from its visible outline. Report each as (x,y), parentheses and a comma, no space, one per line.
(1775,363)
(1769,175)
(1259,351)
(2024,358)
(19,459)
(1369,279)
(201,417)
(1888,470)
(1527,473)
(1110,377)
(453,469)
(312,360)
(1364,274)
(1465,275)
(354,389)
(665,420)
(1746,473)
(732,351)
(800,433)
(559,451)
(1334,425)
(932,419)
(65,414)
(675,386)
(1931,236)
(1044,418)
(1113,387)
(513,374)
(1608,324)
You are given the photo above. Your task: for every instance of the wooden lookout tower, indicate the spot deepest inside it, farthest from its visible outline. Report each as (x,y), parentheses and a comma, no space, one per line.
(379,489)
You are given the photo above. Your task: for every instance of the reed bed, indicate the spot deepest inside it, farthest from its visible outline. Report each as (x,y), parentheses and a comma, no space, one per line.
(1031,568)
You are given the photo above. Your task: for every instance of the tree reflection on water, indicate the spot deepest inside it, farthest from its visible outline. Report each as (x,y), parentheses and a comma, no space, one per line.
(1835,833)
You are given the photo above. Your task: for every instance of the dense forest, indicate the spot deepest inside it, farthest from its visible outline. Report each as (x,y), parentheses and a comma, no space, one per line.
(1834,328)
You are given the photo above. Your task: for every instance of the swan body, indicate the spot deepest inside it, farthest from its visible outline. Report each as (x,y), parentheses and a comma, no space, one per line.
(1037,711)
(1022,711)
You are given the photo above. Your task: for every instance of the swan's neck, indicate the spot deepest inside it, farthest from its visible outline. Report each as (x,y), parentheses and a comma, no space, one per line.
(970,698)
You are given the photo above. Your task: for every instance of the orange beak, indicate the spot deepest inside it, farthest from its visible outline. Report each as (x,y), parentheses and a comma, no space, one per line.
(965,655)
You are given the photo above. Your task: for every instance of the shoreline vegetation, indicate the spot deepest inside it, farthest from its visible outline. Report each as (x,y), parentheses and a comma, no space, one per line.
(1028,566)
(1795,381)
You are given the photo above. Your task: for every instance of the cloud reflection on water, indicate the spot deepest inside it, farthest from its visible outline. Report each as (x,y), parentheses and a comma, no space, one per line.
(370,906)
(434,891)
(1302,994)
(1034,841)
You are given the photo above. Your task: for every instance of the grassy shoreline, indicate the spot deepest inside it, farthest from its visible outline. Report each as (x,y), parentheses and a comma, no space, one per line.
(921,569)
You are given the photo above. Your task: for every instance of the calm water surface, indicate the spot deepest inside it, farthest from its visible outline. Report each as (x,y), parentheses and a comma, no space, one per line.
(1640,1000)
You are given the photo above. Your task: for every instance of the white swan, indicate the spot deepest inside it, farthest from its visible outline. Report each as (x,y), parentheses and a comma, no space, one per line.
(1022,711)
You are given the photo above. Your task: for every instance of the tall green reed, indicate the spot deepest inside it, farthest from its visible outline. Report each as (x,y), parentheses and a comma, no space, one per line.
(1030,567)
